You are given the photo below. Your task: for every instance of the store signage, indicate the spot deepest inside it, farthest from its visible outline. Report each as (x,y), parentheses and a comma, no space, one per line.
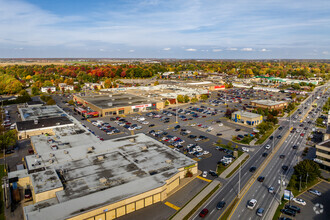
(141,106)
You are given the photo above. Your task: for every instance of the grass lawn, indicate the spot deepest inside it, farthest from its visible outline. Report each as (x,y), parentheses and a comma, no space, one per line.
(228,211)
(266,135)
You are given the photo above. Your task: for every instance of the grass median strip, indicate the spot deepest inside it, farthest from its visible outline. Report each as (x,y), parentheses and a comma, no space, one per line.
(226,214)
(201,202)
(236,168)
(266,135)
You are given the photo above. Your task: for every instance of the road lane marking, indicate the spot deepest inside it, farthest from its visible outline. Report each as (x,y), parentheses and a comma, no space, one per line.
(212,212)
(172,206)
(202,178)
(231,190)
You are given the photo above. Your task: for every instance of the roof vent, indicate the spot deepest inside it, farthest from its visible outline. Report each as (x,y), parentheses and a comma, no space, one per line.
(169,161)
(52,155)
(132,140)
(100,158)
(66,152)
(35,121)
(129,98)
(50,161)
(103,180)
(144,148)
(90,149)
(110,96)
(110,104)
(129,103)
(38,156)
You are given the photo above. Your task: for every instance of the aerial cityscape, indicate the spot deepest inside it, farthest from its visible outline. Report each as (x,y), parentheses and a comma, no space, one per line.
(156,110)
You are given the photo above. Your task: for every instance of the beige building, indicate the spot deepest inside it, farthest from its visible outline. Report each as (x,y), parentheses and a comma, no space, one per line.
(115,104)
(85,178)
(246,118)
(269,104)
(323,154)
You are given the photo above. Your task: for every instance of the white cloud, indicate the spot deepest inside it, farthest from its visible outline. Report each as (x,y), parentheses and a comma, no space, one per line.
(167,48)
(325,52)
(131,51)
(247,49)
(264,50)
(231,49)
(101,50)
(191,49)
(216,50)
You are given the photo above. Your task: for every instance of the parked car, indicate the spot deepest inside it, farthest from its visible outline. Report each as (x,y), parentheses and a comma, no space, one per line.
(288,212)
(27,193)
(315,192)
(213,173)
(204,174)
(299,201)
(293,208)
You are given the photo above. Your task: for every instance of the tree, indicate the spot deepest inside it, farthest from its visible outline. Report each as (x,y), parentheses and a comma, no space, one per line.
(35,90)
(204,97)
(186,99)
(229,144)
(7,139)
(51,102)
(307,167)
(293,96)
(194,100)
(70,102)
(167,103)
(156,83)
(180,98)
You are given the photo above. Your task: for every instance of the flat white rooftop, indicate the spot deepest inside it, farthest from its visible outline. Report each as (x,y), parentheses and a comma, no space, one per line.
(94,173)
(40,112)
(268,102)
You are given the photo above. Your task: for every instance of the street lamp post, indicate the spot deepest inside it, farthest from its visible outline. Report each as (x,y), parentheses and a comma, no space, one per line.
(300,184)
(239,179)
(306,180)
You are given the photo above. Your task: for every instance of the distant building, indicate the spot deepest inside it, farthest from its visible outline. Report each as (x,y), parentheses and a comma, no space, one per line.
(323,154)
(246,118)
(48,88)
(217,87)
(65,87)
(92,86)
(269,104)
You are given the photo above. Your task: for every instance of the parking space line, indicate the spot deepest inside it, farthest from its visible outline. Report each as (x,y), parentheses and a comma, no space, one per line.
(202,178)
(172,206)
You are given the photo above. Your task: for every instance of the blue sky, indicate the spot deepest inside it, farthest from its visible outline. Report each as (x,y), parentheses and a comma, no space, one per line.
(221,29)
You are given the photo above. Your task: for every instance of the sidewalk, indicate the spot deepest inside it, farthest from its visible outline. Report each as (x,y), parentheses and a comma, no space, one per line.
(194,202)
(233,166)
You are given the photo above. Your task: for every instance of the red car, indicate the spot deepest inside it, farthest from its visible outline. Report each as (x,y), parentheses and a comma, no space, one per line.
(302,134)
(203,213)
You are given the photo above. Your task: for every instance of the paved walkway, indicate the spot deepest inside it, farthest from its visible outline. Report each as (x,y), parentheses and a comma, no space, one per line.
(233,165)
(194,202)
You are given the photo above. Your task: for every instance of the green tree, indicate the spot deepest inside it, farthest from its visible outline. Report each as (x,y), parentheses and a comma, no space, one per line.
(307,167)
(35,90)
(229,144)
(204,97)
(51,102)
(8,139)
(167,103)
(70,102)
(186,99)
(156,83)
(180,98)
(194,100)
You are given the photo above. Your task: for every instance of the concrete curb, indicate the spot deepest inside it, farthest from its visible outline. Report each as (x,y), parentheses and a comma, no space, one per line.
(233,166)
(182,213)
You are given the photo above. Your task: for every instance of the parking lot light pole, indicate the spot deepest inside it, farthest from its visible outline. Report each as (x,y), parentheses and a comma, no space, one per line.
(300,184)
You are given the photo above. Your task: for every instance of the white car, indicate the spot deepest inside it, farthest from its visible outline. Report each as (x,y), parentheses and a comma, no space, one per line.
(245,149)
(199,149)
(315,192)
(134,118)
(267,147)
(251,204)
(193,125)
(205,152)
(204,174)
(145,122)
(299,201)
(198,139)
(220,124)
(188,132)
(131,128)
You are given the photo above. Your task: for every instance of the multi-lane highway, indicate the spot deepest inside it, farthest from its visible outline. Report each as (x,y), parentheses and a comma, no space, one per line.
(271,171)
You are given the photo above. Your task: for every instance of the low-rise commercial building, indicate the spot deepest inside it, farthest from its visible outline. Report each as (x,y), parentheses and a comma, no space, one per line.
(77,176)
(269,104)
(48,89)
(246,118)
(115,104)
(323,154)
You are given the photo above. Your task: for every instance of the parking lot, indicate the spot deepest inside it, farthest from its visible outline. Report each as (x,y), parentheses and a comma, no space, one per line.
(316,207)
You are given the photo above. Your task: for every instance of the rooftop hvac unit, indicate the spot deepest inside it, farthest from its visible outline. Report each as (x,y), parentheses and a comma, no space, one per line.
(168,161)
(58,123)
(144,148)
(129,98)
(38,156)
(100,158)
(66,152)
(51,161)
(35,121)
(129,103)
(103,180)
(52,155)
(132,140)
(110,96)
(110,104)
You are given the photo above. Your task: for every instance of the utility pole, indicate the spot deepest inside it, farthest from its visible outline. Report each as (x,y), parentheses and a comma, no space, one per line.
(306,180)
(239,179)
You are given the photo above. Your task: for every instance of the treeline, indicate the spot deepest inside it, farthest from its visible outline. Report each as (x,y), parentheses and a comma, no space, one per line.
(9,84)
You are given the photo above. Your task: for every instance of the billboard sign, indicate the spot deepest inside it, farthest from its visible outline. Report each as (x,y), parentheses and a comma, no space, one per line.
(288,195)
